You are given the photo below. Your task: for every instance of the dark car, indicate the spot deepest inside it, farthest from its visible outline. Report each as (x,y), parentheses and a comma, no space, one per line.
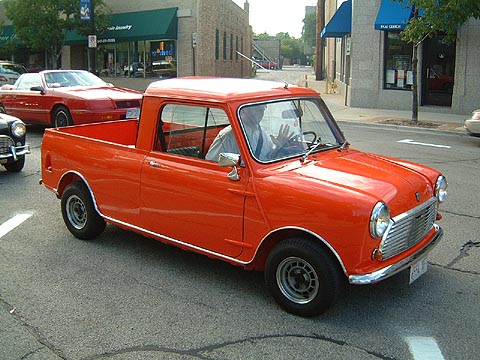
(12,143)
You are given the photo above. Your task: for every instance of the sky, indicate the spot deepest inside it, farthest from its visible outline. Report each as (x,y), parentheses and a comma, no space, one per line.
(274,16)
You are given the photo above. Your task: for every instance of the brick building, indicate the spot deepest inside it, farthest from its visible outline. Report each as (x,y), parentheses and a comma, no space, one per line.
(372,66)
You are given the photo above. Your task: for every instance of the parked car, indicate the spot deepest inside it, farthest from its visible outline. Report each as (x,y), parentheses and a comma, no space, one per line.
(12,143)
(472,125)
(10,72)
(272,65)
(67,97)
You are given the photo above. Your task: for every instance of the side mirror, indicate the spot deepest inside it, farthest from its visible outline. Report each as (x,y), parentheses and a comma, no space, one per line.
(38,88)
(230,160)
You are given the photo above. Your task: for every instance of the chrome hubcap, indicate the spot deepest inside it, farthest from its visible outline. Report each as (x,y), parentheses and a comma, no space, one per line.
(297,280)
(76,212)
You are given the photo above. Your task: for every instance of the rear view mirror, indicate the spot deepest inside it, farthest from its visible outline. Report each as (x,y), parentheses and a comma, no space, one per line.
(230,160)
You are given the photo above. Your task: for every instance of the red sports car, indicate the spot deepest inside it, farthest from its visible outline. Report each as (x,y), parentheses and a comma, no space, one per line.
(67,97)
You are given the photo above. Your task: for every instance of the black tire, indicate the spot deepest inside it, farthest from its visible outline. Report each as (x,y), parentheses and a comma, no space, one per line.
(79,213)
(16,166)
(61,117)
(302,277)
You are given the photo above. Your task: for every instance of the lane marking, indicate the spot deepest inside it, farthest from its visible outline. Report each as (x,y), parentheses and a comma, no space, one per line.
(12,223)
(413,142)
(424,348)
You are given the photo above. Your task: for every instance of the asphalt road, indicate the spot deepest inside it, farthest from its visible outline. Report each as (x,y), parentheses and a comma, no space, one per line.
(124,296)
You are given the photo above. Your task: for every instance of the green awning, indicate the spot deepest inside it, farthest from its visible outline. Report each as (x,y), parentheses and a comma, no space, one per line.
(7,34)
(135,26)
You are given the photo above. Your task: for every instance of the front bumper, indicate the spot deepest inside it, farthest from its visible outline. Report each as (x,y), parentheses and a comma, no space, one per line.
(13,153)
(386,272)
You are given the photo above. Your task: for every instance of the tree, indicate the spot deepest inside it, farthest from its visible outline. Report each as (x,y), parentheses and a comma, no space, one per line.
(433,17)
(309,31)
(43,24)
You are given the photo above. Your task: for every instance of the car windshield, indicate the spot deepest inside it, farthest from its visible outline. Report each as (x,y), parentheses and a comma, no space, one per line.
(72,78)
(13,69)
(306,125)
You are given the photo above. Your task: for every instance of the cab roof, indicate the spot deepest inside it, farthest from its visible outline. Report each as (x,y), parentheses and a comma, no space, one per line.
(225,89)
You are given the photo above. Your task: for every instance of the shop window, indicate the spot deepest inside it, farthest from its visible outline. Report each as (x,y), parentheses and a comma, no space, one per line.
(153,59)
(398,72)
(231,47)
(236,48)
(217,44)
(224,46)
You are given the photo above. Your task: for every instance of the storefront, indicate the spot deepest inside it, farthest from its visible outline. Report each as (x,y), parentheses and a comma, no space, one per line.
(139,44)
(372,65)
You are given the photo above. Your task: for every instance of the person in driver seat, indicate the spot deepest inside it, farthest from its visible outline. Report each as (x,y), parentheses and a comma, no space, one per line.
(262,145)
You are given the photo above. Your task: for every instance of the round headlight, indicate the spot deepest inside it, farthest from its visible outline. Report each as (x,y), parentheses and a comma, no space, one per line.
(441,189)
(379,220)
(18,129)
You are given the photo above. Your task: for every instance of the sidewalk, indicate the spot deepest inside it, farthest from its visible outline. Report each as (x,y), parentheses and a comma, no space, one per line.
(427,119)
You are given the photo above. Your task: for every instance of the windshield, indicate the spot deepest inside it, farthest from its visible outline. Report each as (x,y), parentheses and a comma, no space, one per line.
(72,78)
(289,128)
(13,69)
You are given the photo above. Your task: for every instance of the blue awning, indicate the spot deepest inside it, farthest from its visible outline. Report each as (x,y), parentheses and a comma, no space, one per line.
(393,15)
(341,22)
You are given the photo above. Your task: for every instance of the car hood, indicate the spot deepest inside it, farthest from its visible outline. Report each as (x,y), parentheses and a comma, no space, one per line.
(400,186)
(99,93)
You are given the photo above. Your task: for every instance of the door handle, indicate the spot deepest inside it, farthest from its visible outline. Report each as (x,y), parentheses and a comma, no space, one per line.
(154,163)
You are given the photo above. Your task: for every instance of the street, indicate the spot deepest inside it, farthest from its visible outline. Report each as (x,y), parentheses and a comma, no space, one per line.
(123,296)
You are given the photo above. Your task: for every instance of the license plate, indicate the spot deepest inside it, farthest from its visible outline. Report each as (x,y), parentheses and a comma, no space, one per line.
(418,269)
(133,113)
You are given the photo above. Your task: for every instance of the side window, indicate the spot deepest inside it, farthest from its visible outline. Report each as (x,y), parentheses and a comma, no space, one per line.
(189,130)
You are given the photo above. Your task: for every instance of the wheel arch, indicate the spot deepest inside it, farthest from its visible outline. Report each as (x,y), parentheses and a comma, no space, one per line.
(276,236)
(72,177)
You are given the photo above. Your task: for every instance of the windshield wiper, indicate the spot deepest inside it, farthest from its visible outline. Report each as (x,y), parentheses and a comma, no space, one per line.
(344,145)
(312,149)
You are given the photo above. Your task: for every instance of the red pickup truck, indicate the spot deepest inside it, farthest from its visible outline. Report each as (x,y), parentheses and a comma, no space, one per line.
(255,173)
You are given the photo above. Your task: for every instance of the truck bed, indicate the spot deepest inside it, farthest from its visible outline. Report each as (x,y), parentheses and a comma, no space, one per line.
(123,132)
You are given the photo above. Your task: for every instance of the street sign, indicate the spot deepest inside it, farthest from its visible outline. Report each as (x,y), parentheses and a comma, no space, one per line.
(92,41)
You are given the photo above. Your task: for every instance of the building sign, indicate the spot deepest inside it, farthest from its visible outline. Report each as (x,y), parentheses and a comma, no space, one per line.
(84,9)
(161,50)
(391,27)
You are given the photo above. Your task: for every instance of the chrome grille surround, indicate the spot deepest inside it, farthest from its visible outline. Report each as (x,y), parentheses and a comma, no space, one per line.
(408,229)
(6,143)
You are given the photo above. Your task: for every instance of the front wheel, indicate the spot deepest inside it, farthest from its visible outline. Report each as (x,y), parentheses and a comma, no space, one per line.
(79,213)
(302,277)
(61,117)
(16,166)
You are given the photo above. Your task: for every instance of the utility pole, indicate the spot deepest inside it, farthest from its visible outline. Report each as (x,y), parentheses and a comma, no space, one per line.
(94,49)
(319,39)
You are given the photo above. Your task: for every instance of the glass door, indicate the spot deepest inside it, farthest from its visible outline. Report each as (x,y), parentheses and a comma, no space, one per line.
(438,72)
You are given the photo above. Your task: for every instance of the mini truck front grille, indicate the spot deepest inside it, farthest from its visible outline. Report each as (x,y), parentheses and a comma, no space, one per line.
(408,229)
(5,143)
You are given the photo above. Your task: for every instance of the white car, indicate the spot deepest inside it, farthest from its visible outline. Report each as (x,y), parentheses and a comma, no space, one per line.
(10,72)
(472,125)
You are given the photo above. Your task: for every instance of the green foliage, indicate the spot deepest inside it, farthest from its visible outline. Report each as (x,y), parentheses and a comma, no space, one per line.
(289,47)
(309,31)
(42,24)
(439,16)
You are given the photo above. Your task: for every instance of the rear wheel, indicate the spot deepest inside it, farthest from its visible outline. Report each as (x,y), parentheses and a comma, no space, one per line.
(302,277)
(61,117)
(79,213)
